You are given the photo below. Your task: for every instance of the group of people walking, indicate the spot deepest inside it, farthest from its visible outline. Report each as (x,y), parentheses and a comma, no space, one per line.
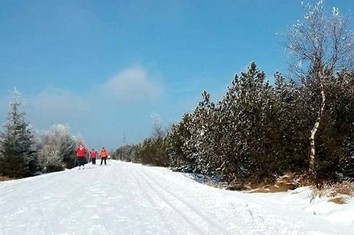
(81,152)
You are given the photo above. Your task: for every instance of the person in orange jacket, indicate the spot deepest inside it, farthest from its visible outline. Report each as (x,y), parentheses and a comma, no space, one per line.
(103,155)
(81,153)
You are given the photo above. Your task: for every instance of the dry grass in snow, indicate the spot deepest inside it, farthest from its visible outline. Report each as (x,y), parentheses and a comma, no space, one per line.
(338,193)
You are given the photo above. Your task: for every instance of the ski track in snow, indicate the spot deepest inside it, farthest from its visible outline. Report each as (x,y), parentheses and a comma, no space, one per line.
(181,209)
(127,198)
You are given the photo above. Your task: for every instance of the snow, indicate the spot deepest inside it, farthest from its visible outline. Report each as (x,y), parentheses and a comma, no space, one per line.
(127,198)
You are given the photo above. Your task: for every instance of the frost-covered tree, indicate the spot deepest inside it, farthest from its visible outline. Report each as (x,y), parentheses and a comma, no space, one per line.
(126,153)
(17,144)
(320,46)
(153,149)
(199,147)
(344,122)
(157,128)
(56,148)
(177,138)
(291,126)
(237,138)
(336,137)
(248,130)
(187,141)
(153,152)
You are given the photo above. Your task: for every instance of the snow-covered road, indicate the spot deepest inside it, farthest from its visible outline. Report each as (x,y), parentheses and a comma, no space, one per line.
(126,198)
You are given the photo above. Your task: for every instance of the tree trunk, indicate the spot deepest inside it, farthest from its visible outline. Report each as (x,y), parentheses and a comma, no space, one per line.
(314,130)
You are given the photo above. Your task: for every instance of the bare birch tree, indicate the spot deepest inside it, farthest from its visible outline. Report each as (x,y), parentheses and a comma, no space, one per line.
(320,45)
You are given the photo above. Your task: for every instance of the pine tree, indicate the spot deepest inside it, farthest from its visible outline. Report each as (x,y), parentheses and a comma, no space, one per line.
(177,138)
(200,145)
(336,137)
(247,115)
(17,145)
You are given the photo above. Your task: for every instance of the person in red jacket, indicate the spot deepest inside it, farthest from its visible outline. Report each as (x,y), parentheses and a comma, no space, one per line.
(81,153)
(93,156)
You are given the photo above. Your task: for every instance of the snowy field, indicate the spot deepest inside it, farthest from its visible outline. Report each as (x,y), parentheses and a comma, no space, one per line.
(126,198)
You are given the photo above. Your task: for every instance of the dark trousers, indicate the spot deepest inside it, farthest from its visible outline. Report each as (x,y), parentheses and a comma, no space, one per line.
(93,161)
(81,161)
(103,159)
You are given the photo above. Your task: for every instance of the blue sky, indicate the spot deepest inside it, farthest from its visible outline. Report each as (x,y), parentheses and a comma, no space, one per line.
(105,67)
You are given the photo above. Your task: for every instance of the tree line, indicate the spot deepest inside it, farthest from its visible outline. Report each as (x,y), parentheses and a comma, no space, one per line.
(259,131)
(25,152)
(303,124)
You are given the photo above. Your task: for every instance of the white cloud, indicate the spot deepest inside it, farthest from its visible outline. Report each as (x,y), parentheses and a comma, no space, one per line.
(133,84)
(57,104)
